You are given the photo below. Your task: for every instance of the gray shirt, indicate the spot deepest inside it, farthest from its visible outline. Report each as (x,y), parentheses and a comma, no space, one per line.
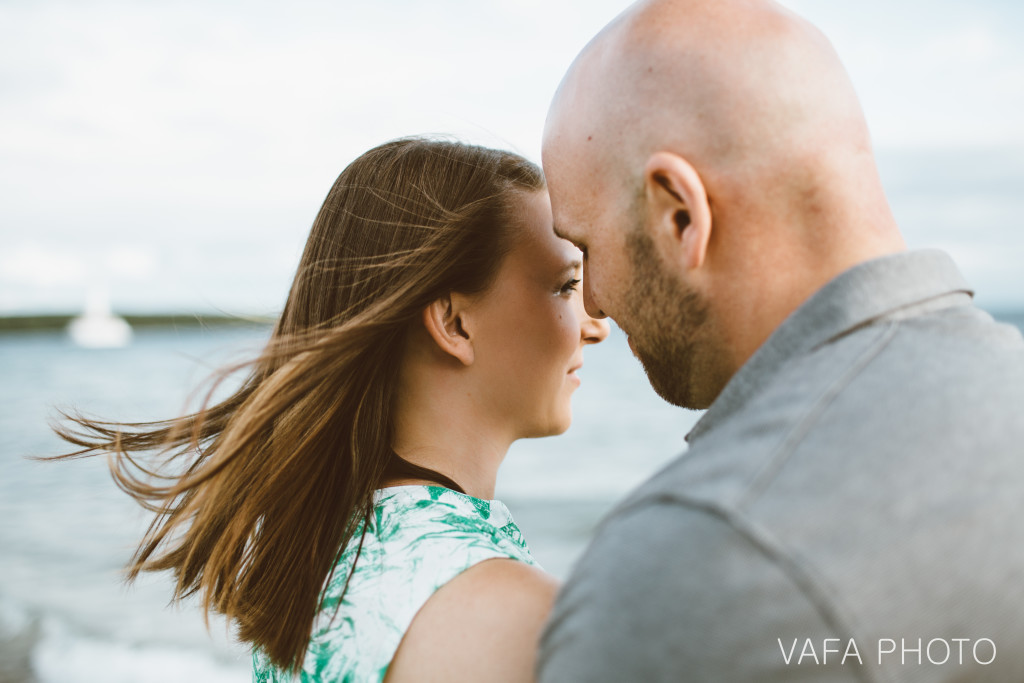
(851,507)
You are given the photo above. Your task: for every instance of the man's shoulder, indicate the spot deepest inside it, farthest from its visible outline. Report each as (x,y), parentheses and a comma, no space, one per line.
(896,396)
(858,450)
(921,383)
(863,490)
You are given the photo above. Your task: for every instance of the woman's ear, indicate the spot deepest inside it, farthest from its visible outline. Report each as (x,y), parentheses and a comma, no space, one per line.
(678,210)
(443,321)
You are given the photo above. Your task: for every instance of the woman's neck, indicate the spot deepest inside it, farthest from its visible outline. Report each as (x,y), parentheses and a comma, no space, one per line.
(467,458)
(442,424)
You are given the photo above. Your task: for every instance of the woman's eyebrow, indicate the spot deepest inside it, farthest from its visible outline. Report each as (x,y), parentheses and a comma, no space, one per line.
(573,265)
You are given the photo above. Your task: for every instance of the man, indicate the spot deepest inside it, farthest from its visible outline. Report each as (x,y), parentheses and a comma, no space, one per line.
(850,506)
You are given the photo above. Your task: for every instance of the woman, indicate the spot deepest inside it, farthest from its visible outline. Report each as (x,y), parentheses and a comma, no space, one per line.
(337,507)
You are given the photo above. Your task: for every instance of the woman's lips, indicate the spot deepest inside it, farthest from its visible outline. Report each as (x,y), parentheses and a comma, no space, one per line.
(572,373)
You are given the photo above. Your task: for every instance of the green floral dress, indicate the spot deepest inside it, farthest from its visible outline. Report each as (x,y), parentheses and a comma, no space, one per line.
(420,538)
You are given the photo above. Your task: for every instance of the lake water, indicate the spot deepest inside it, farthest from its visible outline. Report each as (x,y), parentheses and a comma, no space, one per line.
(66,531)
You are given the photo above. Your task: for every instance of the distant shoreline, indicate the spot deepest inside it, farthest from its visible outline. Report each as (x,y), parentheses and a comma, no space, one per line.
(59,321)
(1012,317)
(39,323)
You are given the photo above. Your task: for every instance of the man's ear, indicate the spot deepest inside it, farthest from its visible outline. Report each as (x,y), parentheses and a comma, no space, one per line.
(443,321)
(678,211)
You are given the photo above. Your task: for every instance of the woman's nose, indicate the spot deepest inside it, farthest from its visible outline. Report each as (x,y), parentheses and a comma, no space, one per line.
(594,329)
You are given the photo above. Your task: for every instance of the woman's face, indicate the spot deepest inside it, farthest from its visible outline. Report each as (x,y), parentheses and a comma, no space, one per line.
(531,328)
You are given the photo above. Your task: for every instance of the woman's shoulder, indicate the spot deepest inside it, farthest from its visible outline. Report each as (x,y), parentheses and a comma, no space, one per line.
(418,540)
(482,625)
(489,598)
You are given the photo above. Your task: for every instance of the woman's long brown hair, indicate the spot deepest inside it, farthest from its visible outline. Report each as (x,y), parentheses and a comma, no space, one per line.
(257,496)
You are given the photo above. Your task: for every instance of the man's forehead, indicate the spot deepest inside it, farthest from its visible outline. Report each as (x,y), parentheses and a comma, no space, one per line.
(569,224)
(562,232)
(575,198)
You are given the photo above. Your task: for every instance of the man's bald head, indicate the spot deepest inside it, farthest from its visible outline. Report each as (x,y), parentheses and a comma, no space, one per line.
(734,86)
(733,126)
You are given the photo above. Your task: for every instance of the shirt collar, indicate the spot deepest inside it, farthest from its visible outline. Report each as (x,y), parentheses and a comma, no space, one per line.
(867,292)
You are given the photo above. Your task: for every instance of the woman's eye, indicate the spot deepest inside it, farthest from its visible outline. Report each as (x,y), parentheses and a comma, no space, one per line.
(570,286)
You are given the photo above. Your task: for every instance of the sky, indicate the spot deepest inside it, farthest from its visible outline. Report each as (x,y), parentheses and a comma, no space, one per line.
(175,154)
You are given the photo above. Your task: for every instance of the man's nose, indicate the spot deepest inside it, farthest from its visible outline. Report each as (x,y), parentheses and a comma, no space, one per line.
(589,300)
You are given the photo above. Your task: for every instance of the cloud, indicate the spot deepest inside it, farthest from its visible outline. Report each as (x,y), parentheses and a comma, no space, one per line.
(939,73)
(32,265)
(32,273)
(224,122)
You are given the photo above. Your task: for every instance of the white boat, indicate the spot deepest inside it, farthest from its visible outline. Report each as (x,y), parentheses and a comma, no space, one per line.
(98,327)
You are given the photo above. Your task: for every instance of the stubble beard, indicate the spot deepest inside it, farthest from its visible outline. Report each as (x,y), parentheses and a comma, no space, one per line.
(667,321)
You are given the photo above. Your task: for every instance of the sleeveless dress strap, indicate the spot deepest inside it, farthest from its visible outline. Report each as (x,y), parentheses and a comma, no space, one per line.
(421,537)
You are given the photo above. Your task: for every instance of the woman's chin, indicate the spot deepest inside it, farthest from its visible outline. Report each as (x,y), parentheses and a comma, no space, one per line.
(558,425)
(561,429)
(561,424)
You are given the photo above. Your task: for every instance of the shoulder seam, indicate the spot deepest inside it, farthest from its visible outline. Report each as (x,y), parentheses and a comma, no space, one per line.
(799,431)
(797,570)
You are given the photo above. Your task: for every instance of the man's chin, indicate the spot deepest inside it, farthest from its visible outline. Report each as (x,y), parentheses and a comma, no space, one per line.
(665,382)
(672,382)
